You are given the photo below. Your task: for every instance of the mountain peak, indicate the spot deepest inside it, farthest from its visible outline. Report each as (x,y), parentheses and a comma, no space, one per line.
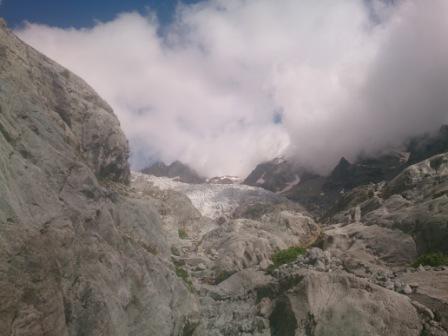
(176,170)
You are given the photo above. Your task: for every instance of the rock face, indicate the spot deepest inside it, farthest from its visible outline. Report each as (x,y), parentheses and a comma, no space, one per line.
(278,175)
(366,249)
(430,293)
(294,182)
(414,202)
(408,216)
(339,304)
(318,193)
(346,176)
(88,125)
(177,170)
(78,254)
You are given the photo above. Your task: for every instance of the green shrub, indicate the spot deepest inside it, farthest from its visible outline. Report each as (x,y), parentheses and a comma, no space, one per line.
(183,274)
(223,275)
(433,259)
(286,256)
(182,234)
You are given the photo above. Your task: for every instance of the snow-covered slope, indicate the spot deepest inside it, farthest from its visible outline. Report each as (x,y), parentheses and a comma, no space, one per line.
(227,179)
(212,200)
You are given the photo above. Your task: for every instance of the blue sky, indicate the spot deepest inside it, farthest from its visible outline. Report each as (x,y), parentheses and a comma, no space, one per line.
(80,13)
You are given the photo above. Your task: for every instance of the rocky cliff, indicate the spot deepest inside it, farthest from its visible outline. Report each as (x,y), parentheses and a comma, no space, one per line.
(394,223)
(78,254)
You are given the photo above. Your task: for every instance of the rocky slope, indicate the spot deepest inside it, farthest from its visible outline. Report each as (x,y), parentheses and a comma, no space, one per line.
(411,214)
(86,248)
(77,255)
(414,202)
(357,280)
(278,175)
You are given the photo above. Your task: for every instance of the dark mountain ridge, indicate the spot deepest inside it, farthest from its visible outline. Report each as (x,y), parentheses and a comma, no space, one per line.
(176,170)
(319,193)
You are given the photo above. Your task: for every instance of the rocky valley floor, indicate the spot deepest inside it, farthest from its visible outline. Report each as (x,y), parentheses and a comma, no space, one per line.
(355,277)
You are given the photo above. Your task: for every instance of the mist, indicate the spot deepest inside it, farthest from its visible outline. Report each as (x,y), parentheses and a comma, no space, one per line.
(231,83)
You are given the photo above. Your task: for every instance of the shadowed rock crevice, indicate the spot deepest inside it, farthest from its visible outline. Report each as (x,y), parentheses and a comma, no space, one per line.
(283,321)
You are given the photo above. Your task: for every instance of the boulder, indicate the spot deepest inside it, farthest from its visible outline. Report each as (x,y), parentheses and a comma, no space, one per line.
(336,304)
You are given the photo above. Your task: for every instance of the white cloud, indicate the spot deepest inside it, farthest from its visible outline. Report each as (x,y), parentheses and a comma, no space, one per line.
(207,90)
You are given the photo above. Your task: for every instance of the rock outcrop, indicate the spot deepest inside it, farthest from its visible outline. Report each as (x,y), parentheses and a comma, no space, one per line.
(338,304)
(78,254)
(278,175)
(408,217)
(414,202)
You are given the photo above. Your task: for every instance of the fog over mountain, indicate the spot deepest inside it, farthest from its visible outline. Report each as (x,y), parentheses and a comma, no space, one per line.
(230,83)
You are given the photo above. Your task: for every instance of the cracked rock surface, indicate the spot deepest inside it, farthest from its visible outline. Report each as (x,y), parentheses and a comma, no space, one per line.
(77,255)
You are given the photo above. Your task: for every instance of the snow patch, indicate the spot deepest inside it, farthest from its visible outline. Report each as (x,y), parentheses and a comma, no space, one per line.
(211,200)
(261,180)
(290,185)
(227,179)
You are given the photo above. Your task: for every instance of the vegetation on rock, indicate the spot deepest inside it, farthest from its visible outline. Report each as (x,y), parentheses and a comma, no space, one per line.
(433,259)
(183,274)
(223,275)
(182,234)
(286,256)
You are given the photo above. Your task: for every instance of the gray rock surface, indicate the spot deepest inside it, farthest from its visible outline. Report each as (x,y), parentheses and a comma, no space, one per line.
(431,290)
(79,255)
(242,243)
(373,246)
(40,97)
(336,304)
(415,202)
(400,220)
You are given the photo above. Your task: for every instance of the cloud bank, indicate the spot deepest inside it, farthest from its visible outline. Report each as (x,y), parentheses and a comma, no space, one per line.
(231,83)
